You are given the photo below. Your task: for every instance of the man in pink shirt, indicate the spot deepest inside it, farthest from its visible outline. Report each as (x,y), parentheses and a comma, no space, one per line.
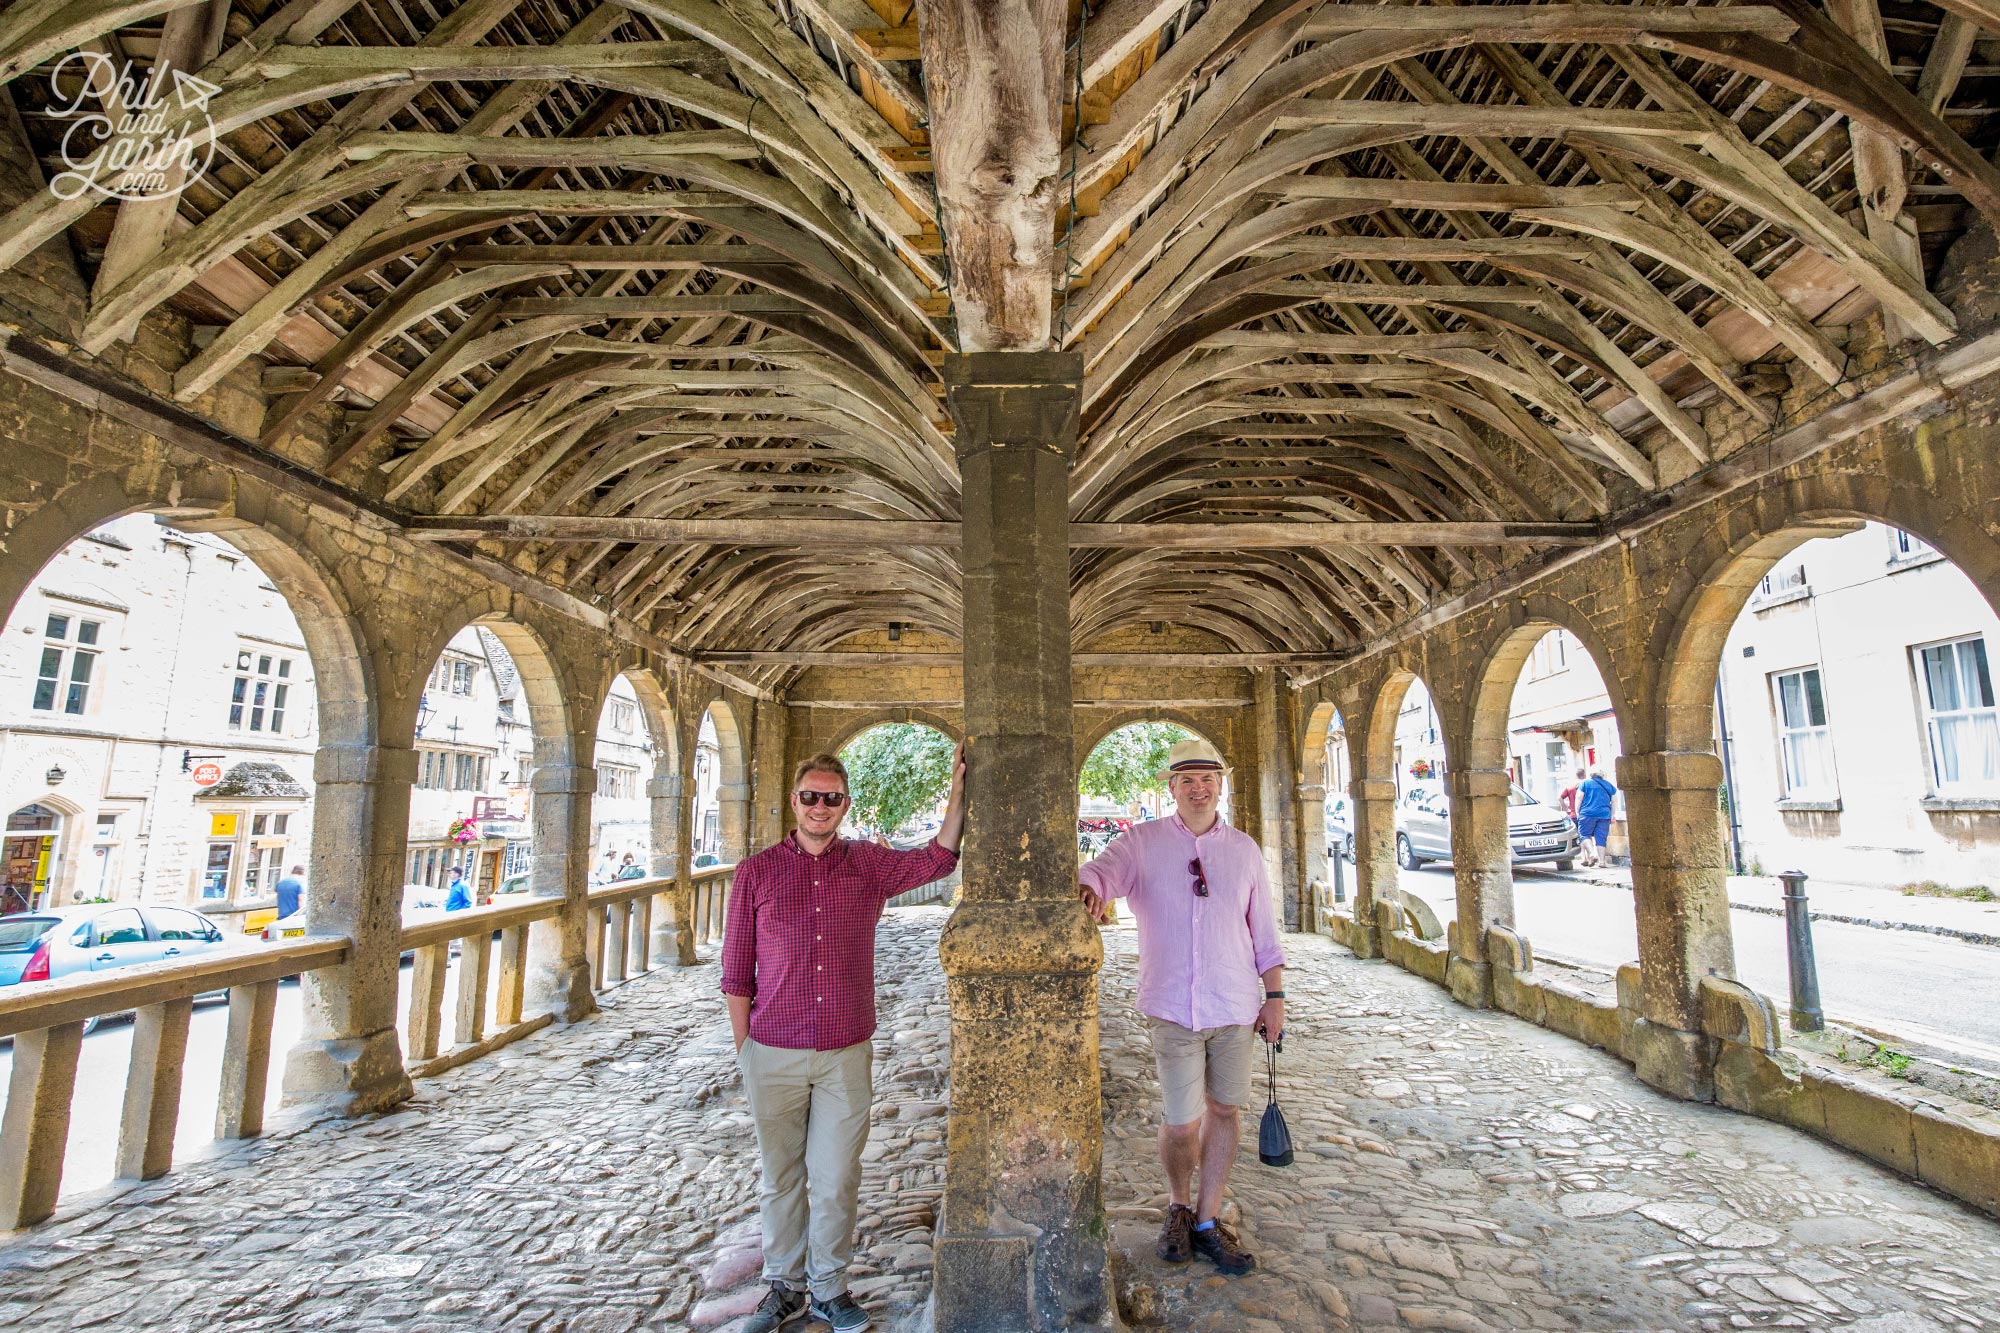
(798,975)
(1211,979)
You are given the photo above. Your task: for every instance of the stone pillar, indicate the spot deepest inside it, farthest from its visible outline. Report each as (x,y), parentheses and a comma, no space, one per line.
(349,1052)
(1021,1238)
(683,897)
(733,820)
(770,775)
(1374,802)
(1483,864)
(558,949)
(1278,826)
(1310,801)
(1681,892)
(664,792)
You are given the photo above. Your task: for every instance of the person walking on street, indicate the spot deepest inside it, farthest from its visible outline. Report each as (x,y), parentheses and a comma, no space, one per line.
(291,892)
(798,974)
(1569,793)
(1211,980)
(459,896)
(1593,816)
(605,868)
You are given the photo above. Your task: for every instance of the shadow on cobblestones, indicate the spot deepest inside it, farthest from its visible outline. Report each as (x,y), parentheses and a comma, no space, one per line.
(1457,1170)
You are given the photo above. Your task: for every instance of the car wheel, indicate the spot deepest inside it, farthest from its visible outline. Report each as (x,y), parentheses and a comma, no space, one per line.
(1406,855)
(1347,849)
(1567,863)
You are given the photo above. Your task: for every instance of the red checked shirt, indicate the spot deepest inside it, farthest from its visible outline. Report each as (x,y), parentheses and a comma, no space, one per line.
(800,940)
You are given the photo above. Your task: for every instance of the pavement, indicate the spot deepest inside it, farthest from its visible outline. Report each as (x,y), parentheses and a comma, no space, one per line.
(1908,985)
(1848,904)
(1456,1170)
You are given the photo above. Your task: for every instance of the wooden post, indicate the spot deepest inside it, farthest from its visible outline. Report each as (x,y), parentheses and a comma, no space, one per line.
(427,1001)
(641,945)
(474,967)
(513,975)
(593,942)
(35,1131)
(153,1089)
(246,1061)
(618,947)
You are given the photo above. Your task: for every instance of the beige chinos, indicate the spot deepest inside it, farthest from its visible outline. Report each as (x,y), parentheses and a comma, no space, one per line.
(811,1114)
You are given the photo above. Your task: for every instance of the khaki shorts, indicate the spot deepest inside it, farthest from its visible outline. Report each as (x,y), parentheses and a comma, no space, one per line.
(1197,1066)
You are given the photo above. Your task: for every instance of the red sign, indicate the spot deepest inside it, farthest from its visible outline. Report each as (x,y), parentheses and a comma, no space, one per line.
(207,775)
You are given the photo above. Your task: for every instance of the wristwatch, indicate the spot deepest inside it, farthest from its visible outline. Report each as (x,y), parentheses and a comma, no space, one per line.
(1274,995)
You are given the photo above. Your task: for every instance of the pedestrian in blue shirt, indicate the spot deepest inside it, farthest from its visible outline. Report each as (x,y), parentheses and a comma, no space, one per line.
(291,892)
(459,895)
(1593,816)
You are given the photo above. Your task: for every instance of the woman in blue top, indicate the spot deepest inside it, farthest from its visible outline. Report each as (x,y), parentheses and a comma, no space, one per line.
(1593,816)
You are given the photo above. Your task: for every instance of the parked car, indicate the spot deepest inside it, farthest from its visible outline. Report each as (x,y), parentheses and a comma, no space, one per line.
(1535,832)
(1339,827)
(513,884)
(100,937)
(707,859)
(633,871)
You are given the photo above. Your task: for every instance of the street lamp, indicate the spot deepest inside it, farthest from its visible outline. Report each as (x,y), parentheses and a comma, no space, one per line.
(55,775)
(423,712)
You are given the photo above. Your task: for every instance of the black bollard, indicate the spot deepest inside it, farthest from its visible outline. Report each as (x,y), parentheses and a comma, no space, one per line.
(1806,1013)
(1339,877)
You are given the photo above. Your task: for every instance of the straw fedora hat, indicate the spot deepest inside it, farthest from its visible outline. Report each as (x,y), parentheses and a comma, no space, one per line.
(1192,756)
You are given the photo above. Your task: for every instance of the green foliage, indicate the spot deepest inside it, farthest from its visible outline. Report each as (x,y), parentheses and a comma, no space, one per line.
(897,771)
(1892,1062)
(1124,763)
(1930,888)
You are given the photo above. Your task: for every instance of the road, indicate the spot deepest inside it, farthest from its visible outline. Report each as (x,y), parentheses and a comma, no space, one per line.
(107,1055)
(1904,982)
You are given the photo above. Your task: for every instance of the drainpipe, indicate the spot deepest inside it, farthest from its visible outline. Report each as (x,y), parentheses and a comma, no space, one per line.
(1729,778)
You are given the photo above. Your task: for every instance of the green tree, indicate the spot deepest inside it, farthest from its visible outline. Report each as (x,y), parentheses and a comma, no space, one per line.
(896,771)
(1124,763)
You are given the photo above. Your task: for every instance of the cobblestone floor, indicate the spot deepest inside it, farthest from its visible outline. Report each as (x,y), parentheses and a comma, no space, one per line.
(1456,1171)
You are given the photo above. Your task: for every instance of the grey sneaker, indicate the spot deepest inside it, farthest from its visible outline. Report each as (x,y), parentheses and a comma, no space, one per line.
(842,1313)
(776,1310)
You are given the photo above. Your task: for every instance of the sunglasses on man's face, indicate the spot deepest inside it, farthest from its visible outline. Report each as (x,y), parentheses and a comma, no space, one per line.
(835,799)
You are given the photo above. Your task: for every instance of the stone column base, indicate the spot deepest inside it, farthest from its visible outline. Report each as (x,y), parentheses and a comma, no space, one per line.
(356,1075)
(1676,1062)
(982,1284)
(1366,943)
(1471,983)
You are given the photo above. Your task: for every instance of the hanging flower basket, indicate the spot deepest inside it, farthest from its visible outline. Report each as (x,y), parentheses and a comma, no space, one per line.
(1421,769)
(463,831)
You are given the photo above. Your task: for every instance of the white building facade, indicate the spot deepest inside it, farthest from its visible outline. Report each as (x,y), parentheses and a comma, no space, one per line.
(157,727)
(1859,709)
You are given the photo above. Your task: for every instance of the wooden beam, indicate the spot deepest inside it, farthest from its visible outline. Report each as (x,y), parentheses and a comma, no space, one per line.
(892,657)
(993,70)
(1401,193)
(1550,23)
(1506,121)
(891,533)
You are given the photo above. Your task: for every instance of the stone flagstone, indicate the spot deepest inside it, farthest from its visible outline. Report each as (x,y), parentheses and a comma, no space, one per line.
(627,1199)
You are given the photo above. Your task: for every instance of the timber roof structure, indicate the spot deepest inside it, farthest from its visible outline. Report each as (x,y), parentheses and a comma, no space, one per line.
(651,297)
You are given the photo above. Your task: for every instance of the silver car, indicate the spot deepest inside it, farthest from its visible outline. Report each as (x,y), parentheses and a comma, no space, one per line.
(1535,832)
(1339,827)
(100,937)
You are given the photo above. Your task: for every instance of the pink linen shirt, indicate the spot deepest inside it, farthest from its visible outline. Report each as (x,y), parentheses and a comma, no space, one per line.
(1201,960)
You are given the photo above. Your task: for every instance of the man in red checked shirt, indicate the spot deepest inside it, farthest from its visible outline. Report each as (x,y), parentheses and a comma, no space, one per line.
(798,971)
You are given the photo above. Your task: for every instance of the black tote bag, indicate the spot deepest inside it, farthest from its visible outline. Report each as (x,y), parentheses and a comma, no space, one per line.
(1274,1140)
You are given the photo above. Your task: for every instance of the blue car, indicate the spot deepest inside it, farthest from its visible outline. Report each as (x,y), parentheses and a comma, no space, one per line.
(41,946)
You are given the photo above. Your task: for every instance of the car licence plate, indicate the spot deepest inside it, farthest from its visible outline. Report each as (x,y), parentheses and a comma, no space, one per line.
(1537,844)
